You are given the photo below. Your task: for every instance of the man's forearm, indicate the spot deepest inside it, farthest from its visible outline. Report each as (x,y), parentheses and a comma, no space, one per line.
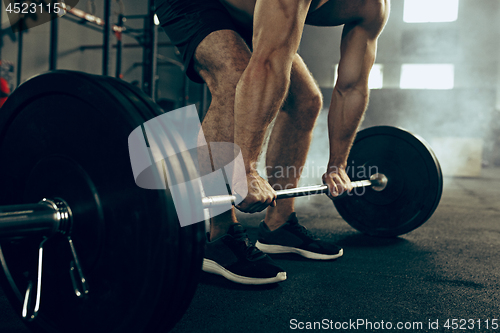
(259,95)
(346,111)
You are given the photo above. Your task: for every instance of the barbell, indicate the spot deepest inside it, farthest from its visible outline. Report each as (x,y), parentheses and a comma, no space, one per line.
(84,249)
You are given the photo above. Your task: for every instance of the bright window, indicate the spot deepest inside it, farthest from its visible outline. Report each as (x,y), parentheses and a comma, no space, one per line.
(376,79)
(427,76)
(424,11)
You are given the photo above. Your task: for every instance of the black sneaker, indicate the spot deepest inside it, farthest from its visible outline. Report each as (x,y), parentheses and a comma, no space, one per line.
(235,257)
(292,237)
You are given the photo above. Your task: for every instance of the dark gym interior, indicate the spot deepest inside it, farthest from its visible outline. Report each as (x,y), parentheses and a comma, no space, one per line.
(437,79)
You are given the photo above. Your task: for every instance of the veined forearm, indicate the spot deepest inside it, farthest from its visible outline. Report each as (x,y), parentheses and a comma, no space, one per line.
(259,95)
(346,111)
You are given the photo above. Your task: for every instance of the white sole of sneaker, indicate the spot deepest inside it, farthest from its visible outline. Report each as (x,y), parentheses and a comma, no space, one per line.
(276,249)
(211,266)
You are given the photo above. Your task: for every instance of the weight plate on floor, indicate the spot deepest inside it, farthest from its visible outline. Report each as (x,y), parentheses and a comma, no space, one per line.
(414,185)
(65,134)
(188,275)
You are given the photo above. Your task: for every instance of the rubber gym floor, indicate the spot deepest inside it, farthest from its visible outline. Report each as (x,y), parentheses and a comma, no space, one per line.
(446,269)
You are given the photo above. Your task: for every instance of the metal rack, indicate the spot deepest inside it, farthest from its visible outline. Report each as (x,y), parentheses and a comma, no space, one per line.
(147,39)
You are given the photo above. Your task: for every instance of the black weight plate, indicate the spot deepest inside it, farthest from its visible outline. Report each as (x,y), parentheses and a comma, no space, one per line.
(184,247)
(65,134)
(186,250)
(191,238)
(414,186)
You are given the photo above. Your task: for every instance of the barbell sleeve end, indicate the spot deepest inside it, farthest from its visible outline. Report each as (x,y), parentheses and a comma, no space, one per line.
(378,182)
(45,218)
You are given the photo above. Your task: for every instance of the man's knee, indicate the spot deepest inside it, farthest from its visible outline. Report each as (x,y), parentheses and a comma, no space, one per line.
(314,103)
(305,108)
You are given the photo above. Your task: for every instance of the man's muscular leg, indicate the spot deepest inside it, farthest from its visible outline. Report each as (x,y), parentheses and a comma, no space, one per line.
(289,143)
(290,139)
(220,59)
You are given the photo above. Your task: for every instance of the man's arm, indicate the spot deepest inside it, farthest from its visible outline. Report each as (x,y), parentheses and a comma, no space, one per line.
(350,95)
(278,26)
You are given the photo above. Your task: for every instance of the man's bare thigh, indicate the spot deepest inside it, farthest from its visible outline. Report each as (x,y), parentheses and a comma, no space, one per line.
(221,58)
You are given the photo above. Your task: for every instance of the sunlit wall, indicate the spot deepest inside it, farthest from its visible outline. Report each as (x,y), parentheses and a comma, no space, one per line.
(440,79)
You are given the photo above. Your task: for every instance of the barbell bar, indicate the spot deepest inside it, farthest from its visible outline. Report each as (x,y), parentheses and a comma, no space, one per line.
(49,217)
(378,182)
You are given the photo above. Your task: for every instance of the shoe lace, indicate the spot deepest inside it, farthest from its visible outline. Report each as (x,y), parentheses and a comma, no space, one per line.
(303,230)
(246,246)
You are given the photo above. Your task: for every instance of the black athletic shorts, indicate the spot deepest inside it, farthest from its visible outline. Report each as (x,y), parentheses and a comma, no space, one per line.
(188,22)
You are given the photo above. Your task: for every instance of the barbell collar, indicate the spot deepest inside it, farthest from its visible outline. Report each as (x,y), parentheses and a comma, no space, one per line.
(45,218)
